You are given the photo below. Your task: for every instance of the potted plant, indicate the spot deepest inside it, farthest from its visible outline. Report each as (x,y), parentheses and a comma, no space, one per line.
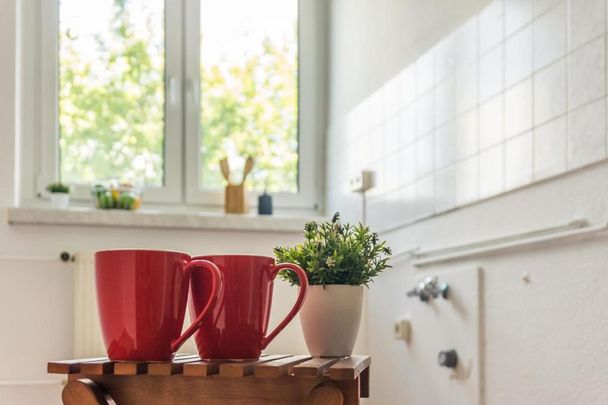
(339,259)
(60,195)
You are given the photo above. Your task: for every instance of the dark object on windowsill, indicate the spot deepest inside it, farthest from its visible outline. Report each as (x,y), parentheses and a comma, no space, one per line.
(265,204)
(66,257)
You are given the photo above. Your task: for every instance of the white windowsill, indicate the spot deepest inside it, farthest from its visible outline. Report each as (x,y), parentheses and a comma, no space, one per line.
(156,219)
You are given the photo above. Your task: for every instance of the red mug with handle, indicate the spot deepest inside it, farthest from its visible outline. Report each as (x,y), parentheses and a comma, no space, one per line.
(236,328)
(142,297)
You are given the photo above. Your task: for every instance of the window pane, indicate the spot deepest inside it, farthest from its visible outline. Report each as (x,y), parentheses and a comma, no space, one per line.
(111,90)
(249,91)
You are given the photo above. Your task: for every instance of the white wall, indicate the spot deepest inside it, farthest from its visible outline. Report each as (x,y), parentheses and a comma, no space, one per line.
(544,340)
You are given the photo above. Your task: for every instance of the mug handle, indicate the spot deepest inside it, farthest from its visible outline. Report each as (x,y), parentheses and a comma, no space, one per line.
(299,302)
(216,289)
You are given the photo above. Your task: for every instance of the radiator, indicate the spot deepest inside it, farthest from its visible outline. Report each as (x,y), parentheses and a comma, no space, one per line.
(87,335)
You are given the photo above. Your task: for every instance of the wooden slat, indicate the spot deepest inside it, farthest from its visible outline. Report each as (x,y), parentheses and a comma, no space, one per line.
(245,368)
(68,366)
(278,368)
(201,368)
(314,367)
(175,367)
(139,367)
(130,367)
(349,368)
(97,367)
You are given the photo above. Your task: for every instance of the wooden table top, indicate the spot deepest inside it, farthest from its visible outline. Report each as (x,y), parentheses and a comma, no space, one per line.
(268,366)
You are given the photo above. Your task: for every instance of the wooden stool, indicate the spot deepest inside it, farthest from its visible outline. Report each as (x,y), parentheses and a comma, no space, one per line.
(271,380)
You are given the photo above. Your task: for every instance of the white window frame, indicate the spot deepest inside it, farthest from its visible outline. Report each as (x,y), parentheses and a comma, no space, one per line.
(39,29)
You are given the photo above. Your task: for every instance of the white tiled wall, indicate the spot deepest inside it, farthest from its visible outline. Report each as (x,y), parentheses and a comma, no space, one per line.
(515,95)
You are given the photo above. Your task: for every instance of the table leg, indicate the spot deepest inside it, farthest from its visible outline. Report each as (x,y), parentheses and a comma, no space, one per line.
(326,394)
(85,392)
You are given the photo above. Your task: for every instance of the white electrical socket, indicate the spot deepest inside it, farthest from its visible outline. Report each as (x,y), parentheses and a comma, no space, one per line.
(402,329)
(362,182)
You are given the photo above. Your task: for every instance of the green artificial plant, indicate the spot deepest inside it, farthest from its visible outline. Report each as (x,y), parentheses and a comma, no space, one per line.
(58,188)
(335,253)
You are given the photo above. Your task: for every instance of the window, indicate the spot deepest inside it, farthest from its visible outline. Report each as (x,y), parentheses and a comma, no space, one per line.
(249,90)
(111,91)
(156,92)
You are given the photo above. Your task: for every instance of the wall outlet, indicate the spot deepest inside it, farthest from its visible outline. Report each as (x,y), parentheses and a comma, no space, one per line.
(402,329)
(362,182)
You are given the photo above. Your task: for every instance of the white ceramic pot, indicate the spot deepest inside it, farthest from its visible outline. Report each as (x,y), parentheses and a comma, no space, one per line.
(60,200)
(330,319)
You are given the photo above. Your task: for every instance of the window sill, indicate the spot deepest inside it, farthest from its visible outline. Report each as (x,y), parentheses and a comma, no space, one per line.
(155,219)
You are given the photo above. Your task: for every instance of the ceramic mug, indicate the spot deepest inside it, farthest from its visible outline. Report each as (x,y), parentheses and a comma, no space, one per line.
(142,297)
(236,327)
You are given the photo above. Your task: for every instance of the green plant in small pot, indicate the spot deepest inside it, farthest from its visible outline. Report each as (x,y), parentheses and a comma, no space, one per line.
(339,259)
(60,195)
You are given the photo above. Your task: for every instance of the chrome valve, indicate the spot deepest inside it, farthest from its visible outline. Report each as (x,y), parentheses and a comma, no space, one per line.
(429,289)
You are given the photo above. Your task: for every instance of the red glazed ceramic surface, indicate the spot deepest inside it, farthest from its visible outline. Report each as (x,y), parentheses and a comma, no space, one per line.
(236,327)
(142,297)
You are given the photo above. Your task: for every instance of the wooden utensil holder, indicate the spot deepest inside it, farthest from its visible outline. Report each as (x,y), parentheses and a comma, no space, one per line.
(235,199)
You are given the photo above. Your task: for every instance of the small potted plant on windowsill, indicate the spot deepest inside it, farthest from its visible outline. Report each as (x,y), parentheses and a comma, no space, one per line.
(339,259)
(60,195)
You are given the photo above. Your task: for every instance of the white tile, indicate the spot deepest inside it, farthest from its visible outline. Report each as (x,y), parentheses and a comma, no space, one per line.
(518,108)
(445,189)
(364,117)
(445,144)
(425,196)
(407,125)
(550,92)
(407,83)
(491,123)
(587,73)
(540,6)
(407,164)
(550,149)
(518,56)
(587,134)
(364,151)
(425,72)
(395,210)
(465,42)
(467,178)
(425,155)
(407,195)
(587,20)
(378,107)
(491,73)
(466,87)
(466,134)
(491,171)
(375,214)
(392,172)
(445,101)
(392,135)
(491,20)
(518,161)
(377,143)
(518,13)
(550,36)
(392,97)
(425,113)
(445,58)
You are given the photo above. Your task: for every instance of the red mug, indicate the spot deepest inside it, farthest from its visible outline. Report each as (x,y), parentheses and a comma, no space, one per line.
(236,327)
(142,297)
